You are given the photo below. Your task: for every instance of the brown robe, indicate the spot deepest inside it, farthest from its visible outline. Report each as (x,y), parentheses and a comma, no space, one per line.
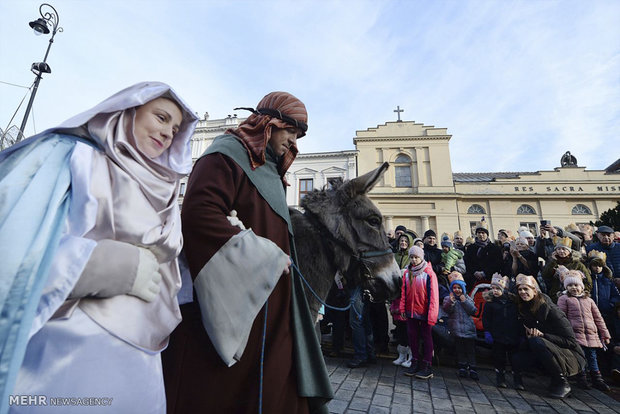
(196,379)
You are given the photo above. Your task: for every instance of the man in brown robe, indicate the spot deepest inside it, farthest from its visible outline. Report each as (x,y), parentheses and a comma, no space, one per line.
(214,363)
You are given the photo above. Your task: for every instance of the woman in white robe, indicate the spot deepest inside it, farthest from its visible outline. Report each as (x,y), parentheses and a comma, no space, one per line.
(109,300)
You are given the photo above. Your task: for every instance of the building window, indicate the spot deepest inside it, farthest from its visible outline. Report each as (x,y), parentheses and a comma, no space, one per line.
(402,171)
(526,209)
(182,189)
(334,182)
(472,228)
(305,186)
(531,226)
(476,209)
(580,209)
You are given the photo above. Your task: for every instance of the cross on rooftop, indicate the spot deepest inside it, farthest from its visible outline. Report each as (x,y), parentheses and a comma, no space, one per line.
(398,111)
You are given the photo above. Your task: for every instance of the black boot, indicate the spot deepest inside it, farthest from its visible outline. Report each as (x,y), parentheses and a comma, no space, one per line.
(413,369)
(582,381)
(597,381)
(500,378)
(559,387)
(425,372)
(473,373)
(518,381)
(463,370)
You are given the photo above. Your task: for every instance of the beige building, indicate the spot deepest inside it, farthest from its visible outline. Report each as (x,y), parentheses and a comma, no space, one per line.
(420,191)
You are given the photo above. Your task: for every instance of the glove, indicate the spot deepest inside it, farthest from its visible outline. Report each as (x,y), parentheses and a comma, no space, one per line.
(234,221)
(488,338)
(146,285)
(133,271)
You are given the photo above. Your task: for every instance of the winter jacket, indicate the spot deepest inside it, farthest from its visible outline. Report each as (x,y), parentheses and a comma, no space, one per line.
(554,286)
(501,318)
(604,292)
(402,256)
(586,320)
(451,258)
(432,254)
(557,330)
(460,322)
(419,298)
(487,259)
(613,255)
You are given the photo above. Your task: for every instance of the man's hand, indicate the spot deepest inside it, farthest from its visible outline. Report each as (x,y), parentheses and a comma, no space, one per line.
(234,221)
(287,269)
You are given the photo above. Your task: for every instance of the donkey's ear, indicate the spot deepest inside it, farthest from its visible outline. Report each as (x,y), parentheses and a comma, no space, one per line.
(364,183)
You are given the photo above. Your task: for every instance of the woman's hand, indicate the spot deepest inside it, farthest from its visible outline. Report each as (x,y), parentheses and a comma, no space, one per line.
(533,332)
(146,284)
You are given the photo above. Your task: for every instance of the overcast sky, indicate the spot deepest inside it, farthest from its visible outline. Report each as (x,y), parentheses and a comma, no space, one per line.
(516,83)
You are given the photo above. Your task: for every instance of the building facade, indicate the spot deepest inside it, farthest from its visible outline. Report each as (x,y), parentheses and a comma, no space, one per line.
(422,192)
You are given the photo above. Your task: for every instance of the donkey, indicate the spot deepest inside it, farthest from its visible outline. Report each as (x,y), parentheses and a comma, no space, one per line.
(342,230)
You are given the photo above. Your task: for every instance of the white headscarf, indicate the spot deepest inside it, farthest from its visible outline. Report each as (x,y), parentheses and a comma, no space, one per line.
(178,157)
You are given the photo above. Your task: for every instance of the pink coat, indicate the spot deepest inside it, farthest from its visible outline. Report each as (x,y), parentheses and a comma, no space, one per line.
(416,300)
(586,320)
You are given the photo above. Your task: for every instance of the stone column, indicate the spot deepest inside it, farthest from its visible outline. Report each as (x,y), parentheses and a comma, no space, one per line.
(425,224)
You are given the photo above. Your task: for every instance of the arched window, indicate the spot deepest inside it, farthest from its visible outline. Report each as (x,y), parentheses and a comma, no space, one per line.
(580,209)
(526,209)
(402,170)
(476,209)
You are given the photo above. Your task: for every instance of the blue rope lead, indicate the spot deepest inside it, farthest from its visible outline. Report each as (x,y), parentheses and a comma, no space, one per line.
(262,363)
(321,301)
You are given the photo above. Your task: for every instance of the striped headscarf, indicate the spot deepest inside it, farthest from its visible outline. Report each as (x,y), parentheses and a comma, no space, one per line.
(279,109)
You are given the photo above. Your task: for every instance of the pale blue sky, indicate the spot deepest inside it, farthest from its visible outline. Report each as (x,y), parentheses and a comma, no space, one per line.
(517,83)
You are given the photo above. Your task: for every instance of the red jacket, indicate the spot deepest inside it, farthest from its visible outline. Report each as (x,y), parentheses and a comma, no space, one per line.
(416,301)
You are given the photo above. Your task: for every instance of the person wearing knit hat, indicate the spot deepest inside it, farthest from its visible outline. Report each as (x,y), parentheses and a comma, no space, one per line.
(245,167)
(502,329)
(419,305)
(604,291)
(432,254)
(460,308)
(400,229)
(588,324)
(524,260)
(550,340)
(563,255)
(445,241)
(611,248)
(418,242)
(450,258)
(482,259)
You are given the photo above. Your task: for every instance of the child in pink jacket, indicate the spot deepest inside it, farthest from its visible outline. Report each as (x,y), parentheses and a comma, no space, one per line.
(419,304)
(588,325)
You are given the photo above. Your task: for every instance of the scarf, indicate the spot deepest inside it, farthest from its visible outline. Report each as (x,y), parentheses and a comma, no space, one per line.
(416,270)
(255,132)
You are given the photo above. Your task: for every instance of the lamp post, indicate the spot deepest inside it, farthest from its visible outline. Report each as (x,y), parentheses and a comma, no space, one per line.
(41,26)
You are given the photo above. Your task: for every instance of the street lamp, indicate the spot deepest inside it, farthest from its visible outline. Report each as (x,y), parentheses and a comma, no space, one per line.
(41,26)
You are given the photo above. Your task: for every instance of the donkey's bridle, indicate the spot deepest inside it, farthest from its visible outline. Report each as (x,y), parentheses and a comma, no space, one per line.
(361,257)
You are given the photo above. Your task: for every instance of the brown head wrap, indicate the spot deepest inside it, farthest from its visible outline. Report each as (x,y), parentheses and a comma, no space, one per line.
(280,109)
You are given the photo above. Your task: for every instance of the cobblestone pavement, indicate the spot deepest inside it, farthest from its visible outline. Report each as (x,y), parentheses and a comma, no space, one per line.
(382,388)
